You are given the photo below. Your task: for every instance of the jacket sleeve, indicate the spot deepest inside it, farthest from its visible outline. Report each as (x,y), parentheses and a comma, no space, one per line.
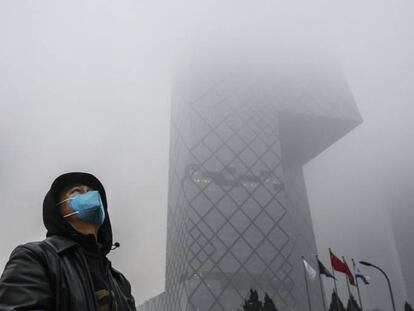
(24,284)
(126,288)
(131,300)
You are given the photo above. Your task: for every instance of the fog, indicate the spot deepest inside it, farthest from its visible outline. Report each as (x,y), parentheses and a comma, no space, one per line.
(86,86)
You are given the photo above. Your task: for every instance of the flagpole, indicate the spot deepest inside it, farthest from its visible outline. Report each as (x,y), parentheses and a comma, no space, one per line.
(357,286)
(306,283)
(322,287)
(349,293)
(349,289)
(336,288)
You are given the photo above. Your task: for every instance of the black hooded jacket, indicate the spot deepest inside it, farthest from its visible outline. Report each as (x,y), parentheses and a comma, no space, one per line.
(64,271)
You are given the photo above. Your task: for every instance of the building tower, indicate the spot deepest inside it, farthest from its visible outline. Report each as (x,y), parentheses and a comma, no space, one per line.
(238,215)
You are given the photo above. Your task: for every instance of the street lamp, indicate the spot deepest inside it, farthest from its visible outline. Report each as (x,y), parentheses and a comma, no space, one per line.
(386,276)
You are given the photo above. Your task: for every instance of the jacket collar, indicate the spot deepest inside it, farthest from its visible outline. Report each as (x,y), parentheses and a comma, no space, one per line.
(60,243)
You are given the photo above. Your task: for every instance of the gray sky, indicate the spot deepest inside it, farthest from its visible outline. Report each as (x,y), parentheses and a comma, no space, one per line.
(85,85)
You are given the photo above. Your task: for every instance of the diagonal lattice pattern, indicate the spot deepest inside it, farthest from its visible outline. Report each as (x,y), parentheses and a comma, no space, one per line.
(230,204)
(238,215)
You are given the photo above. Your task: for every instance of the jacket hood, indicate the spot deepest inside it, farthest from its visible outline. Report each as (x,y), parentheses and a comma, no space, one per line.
(57,225)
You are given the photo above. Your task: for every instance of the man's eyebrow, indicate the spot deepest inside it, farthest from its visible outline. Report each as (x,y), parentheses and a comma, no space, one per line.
(72,187)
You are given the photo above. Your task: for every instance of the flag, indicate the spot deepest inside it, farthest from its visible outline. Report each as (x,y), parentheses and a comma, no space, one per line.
(337,263)
(340,266)
(364,278)
(349,274)
(323,270)
(309,269)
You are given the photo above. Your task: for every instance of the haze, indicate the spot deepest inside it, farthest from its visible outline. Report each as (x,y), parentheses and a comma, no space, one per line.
(86,86)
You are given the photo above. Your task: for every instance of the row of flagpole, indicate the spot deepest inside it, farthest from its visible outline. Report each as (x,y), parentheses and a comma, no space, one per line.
(339,266)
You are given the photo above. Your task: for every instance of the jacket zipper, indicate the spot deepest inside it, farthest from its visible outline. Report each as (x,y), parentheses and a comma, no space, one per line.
(89,276)
(114,290)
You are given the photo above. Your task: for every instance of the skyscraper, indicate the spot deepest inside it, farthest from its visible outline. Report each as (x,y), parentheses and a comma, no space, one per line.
(238,215)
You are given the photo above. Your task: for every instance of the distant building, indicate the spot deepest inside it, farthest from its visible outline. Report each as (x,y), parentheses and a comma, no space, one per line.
(238,215)
(157,303)
(402,214)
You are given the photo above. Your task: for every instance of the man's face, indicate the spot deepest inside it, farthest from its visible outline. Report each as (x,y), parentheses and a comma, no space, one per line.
(69,192)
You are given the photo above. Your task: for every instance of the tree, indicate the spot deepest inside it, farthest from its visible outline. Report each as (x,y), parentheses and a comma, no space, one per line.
(269,305)
(335,302)
(352,304)
(253,303)
(407,307)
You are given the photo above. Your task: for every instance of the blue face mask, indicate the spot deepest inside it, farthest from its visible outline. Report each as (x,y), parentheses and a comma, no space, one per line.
(87,206)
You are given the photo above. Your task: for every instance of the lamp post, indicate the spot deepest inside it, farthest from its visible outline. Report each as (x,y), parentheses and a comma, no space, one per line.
(368,264)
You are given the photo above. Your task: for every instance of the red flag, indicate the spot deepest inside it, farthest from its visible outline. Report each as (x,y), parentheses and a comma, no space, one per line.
(341,266)
(349,274)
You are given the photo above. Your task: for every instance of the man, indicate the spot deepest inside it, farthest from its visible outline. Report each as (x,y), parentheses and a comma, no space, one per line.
(69,269)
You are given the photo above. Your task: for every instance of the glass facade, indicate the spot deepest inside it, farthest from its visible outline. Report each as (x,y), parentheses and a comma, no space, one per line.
(238,215)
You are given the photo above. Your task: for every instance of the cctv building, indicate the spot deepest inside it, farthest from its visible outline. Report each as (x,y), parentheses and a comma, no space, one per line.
(238,215)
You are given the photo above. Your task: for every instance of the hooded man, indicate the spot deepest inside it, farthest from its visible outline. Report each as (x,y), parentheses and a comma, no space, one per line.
(69,269)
